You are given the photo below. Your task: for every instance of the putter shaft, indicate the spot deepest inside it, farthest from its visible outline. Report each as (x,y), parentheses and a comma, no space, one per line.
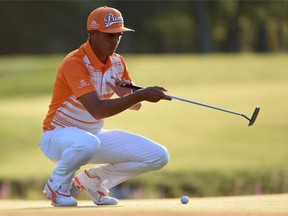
(207,105)
(251,120)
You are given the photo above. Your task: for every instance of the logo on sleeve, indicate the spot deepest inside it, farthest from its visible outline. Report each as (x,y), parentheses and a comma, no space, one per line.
(83,84)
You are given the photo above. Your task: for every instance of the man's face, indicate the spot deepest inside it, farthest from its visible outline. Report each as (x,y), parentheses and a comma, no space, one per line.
(105,44)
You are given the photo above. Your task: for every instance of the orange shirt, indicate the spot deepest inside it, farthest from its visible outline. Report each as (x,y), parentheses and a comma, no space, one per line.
(80,73)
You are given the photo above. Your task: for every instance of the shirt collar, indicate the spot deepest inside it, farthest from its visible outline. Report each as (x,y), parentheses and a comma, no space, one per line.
(96,63)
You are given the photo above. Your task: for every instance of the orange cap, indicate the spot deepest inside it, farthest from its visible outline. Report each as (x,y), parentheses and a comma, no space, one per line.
(106,19)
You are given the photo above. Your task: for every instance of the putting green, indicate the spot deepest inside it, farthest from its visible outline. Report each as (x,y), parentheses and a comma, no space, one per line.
(240,205)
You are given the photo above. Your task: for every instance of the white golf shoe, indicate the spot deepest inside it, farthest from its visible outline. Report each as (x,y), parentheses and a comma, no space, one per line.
(95,189)
(58,197)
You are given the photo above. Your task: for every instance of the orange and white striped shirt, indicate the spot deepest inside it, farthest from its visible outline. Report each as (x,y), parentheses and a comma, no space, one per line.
(81,72)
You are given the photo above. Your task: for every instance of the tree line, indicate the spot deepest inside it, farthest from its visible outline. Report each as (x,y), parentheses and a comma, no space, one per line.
(49,27)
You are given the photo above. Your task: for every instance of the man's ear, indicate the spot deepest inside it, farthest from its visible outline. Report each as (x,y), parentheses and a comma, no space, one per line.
(91,33)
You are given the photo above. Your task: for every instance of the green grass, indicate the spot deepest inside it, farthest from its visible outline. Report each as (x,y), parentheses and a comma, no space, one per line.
(200,140)
(27,75)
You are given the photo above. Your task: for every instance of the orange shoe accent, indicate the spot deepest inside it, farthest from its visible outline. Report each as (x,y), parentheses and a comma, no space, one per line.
(54,196)
(78,184)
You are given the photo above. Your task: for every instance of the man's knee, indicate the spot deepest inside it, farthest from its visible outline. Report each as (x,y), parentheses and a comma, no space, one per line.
(161,158)
(87,147)
(164,157)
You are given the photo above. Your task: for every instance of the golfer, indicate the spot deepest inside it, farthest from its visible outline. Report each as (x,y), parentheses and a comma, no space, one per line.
(73,128)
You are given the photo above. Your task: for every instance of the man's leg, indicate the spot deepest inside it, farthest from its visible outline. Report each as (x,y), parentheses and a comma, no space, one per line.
(123,155)
(70,148)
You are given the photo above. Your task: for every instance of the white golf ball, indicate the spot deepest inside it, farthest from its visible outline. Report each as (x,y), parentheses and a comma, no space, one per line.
(184,199)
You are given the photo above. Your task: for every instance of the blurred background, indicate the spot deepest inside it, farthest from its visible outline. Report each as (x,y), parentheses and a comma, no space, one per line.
(48,27)
(232,54)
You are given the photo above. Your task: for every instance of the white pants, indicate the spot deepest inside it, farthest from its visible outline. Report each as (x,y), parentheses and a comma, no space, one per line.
(120,155)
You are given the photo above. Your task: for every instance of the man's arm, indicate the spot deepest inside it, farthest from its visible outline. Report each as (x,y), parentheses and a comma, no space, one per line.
(120,91)
(103,108)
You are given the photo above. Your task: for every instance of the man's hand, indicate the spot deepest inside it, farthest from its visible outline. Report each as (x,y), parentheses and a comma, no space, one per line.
(118,87)
(121,91)
(154,94)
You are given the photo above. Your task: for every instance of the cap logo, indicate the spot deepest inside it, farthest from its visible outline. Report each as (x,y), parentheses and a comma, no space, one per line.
(94,24)
(110,19)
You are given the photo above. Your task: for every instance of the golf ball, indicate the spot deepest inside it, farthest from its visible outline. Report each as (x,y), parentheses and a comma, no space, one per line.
(184,199)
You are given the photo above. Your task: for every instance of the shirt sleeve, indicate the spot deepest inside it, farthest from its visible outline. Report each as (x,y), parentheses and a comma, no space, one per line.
(77,78)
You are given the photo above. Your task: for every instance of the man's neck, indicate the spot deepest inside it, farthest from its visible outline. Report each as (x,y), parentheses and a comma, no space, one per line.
(99,55)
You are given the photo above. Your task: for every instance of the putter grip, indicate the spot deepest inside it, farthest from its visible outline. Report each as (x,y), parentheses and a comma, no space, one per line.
(134,87)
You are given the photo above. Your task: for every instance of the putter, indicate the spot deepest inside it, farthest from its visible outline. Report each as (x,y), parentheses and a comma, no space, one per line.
(251,120)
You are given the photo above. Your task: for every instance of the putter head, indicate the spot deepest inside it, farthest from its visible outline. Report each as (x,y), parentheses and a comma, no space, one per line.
(254,116)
